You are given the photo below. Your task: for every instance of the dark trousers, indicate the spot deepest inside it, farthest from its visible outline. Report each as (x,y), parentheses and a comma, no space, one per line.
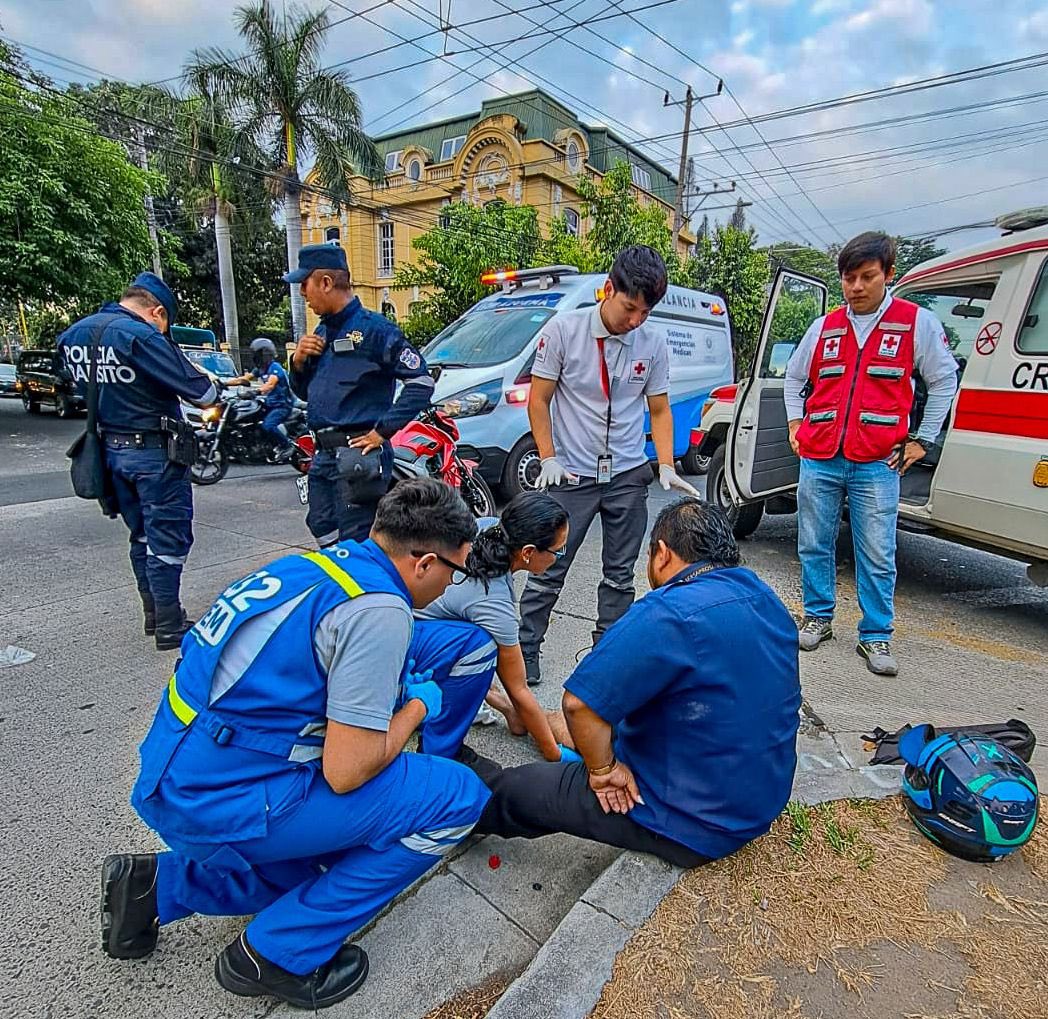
(273,426)
(622,506)
(540,799)
(155,499)
(332,517)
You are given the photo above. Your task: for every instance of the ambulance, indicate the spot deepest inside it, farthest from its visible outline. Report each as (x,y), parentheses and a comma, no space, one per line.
(985,481)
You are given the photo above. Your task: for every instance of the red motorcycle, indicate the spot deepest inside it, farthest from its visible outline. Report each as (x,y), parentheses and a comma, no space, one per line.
(424,448)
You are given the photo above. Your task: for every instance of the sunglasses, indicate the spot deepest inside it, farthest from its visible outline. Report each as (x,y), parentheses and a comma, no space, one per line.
(459,573)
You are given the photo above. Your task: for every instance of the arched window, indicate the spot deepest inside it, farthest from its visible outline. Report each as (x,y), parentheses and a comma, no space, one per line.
(333,234)
(571,221)
(574,155)
(414,170)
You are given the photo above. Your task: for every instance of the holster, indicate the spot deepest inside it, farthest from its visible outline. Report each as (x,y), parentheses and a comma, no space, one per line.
(181,441)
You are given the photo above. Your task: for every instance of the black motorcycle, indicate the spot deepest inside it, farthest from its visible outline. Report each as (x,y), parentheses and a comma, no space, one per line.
(231,432)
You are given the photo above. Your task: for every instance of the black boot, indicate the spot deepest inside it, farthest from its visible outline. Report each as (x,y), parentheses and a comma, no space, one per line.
(129,914)
(532,672)
(171,626)
(148,613)
(243,971)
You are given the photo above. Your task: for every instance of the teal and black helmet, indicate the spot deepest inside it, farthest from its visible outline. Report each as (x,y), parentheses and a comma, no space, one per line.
(969,794)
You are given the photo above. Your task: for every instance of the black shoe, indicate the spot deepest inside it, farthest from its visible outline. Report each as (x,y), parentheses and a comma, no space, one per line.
(129,917)
(172,625)
(284,456)
(532,673)
(241,970)
(148,613)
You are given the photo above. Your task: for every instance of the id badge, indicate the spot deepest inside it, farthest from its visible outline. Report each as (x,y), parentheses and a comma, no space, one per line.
(604,469)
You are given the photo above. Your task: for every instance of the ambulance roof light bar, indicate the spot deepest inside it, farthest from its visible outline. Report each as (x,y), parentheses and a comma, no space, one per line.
(546,275)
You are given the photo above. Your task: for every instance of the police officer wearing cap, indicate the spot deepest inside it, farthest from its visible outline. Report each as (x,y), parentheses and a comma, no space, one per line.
(348,370)
(141,374)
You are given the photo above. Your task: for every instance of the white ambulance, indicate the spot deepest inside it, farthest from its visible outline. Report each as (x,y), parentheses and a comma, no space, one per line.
(985,483)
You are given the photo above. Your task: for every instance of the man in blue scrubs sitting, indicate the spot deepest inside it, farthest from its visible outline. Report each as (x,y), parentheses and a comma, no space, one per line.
(685,713)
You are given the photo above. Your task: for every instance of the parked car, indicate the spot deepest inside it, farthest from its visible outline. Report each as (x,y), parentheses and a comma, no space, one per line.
(211,362)
(41,378)
(8,380)
(485,359)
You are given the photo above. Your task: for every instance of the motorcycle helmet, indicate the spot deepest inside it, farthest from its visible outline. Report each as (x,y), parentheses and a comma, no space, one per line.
(263,352)
(969,794)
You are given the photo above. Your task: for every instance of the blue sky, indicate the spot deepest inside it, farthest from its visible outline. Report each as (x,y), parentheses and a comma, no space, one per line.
(772,54)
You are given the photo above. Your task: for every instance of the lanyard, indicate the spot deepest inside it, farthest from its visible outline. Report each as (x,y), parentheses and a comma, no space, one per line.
(605,384)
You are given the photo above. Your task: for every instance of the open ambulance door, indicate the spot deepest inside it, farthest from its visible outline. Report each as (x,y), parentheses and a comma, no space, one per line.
(760,461)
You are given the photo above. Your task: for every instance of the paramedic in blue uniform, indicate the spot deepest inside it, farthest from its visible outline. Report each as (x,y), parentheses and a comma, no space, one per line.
(275,389)
(141,375)
(685,714)
(347,371)
(274,768)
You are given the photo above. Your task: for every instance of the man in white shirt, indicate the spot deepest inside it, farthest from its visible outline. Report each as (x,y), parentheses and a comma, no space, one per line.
(595,371)
(849,396)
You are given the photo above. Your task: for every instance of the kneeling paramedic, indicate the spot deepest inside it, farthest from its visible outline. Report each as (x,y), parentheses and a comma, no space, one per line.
(348,371)
(274,768)
(277,393)
(140,374)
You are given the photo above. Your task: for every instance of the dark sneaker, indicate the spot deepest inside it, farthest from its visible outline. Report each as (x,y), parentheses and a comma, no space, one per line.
(813,631)
(879,657)
(241,970)
(129,918)
(284,456)
(531,670)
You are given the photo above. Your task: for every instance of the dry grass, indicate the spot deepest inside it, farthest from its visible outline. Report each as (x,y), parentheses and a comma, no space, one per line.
(820,894)
(474,1003)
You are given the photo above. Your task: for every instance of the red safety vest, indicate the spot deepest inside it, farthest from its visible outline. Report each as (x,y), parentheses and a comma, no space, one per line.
(860,399)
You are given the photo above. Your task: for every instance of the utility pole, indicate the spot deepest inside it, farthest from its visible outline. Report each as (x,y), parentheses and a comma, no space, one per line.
(687,102)
(140,158)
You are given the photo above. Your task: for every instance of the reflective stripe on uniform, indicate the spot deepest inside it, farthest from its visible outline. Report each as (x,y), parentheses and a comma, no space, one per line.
(336,573)
(436,843)
(183,712)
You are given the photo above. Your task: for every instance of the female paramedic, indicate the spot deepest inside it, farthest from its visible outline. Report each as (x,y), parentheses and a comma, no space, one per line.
(470,633)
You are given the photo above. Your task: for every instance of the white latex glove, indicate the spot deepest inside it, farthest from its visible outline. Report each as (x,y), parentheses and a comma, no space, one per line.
(553,473)
(669,478)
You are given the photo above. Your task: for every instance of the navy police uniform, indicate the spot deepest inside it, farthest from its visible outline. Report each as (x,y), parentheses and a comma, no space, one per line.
(350,389)
(141,373)
(232,775)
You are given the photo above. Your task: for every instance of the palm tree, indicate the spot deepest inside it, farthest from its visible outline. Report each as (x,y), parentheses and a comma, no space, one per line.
(206,146)
(287,102)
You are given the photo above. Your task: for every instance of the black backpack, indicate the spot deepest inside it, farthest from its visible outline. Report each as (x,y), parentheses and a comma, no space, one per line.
(1015,735)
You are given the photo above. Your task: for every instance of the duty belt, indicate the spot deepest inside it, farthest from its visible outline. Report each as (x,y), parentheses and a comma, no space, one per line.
(335,438)
(135,440)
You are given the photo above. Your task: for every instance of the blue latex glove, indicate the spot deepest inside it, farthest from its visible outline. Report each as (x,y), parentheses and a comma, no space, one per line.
(418,686)
(569,756)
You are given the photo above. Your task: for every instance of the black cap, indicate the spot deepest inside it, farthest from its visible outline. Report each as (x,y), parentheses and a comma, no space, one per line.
(317,256)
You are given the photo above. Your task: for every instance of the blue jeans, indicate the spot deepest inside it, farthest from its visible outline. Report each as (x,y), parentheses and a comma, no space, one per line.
(155,498)
(872,490)
(273,425)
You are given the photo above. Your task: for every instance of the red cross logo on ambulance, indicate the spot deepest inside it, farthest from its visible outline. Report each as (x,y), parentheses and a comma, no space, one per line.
(831,348)
(639,371)
(889,345)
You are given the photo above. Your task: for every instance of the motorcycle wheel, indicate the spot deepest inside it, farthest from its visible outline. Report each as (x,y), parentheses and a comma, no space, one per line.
(300,461)
(477,495)
(209,468)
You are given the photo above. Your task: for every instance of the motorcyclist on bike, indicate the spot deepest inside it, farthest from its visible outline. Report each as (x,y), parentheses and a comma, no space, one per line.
(276,392)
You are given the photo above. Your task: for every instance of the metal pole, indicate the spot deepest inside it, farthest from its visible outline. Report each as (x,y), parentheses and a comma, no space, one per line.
(140,156)
(678,210)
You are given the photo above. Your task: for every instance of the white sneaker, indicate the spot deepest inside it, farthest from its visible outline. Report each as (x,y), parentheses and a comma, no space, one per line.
(485,716)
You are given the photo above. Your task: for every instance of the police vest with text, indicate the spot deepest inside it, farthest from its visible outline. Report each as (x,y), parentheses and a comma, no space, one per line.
(860,400)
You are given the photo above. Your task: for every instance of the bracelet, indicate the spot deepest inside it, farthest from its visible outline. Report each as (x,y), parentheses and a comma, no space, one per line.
(606,770)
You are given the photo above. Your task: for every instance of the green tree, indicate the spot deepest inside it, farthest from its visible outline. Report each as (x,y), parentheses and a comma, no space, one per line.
(288,102)
(727,263)
(911,251)
(72,228)
(453,255)
(813,262)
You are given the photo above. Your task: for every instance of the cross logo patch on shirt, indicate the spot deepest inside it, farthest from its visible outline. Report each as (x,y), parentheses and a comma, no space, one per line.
(889,345)
(831,348)
(540,349)
(639,370)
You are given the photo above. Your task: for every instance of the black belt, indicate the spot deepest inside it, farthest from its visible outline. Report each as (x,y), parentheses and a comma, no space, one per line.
(336,438)
(136,440)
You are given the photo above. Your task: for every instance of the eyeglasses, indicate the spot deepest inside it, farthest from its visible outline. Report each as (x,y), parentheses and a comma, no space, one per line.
(459,573)
(560,553)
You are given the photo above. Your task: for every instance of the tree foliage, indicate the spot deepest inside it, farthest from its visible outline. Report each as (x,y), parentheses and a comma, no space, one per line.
(72,228)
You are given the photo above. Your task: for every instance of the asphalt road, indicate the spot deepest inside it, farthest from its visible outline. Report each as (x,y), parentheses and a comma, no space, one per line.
(972,637)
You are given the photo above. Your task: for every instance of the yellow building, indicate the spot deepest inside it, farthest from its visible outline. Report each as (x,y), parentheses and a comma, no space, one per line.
(527,149)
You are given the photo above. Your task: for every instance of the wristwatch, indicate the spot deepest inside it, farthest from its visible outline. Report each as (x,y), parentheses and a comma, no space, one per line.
(916,438)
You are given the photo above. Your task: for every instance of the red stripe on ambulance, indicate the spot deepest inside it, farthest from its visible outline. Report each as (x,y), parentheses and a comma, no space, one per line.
(1002,412)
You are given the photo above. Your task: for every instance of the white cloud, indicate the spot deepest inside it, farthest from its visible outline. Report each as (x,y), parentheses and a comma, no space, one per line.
(1035,27)
(821,7)
(910,17)
(739,7)
(742,40)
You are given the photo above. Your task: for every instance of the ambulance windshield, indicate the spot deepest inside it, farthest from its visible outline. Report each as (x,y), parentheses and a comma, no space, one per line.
(486,337)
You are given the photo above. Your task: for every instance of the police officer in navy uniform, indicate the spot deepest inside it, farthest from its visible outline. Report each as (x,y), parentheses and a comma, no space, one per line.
(348,371)
(276,389)
(141,373)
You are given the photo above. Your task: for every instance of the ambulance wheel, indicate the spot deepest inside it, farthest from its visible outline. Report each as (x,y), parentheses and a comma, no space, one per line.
(693,463)
(522,468)
(744,519)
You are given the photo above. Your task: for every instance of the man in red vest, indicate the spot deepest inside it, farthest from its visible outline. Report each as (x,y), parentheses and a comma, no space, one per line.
(849,393)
